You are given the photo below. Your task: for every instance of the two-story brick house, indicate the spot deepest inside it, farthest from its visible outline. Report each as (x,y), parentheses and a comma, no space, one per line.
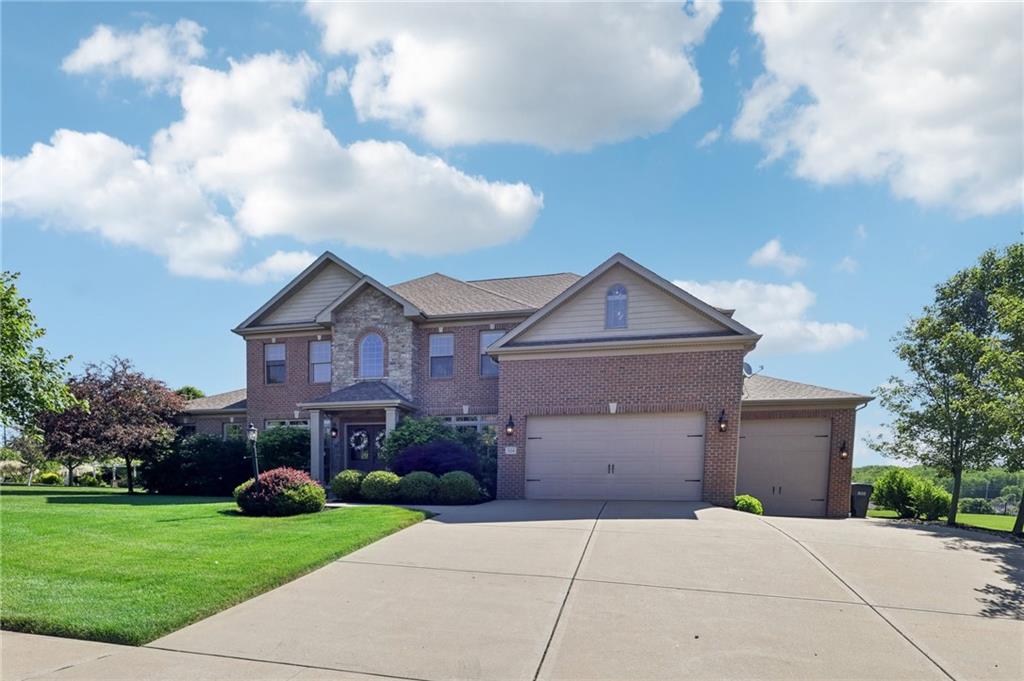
(614,385)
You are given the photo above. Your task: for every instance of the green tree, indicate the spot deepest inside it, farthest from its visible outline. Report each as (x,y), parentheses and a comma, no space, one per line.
(943,414)
(31,382)
(28,447)
(190,392)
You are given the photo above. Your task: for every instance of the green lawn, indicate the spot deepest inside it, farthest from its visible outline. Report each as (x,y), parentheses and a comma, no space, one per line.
(983,520)
(104,565)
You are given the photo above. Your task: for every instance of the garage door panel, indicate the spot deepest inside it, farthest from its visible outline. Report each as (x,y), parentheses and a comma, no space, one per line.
(655,456)
(784,463)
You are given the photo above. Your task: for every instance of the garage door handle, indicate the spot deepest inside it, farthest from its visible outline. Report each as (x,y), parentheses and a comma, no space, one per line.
(773,489)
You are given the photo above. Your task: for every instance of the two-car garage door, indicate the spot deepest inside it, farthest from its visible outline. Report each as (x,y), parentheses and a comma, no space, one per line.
(624,456)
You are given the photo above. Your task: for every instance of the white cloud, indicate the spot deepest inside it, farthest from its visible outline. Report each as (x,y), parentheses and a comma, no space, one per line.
(247,142)
(155,55)
(278,265)
(710,137)
(773,255)
(559,76)
(337,80)
(847,264)
(925,96)
(778,311)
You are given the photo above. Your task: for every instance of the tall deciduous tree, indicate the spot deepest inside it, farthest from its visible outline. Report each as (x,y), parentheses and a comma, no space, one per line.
(190,392)
(31,382)
(130,414)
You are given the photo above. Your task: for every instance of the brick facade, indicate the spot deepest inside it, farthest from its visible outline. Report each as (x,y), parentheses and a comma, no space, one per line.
(372,311)
(446,396)
(840,470)
(277,401)
(214,425)
(706,381)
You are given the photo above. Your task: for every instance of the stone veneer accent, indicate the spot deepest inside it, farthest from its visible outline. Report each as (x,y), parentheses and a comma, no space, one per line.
(840,471)
(446,396)
(278,401)
(371,310)
(705,381)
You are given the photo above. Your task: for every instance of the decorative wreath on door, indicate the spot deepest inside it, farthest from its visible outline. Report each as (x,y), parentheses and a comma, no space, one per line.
(379,440)
(358,440)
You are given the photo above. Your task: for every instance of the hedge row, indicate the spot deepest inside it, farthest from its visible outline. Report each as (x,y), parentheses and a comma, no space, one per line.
(417,487)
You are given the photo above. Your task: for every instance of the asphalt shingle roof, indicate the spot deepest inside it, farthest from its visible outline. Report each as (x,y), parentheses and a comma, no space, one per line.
(438,294)
(363,391)
(758,388)
(234,399)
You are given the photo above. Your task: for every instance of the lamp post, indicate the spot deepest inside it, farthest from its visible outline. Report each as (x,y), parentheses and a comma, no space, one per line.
(253,434)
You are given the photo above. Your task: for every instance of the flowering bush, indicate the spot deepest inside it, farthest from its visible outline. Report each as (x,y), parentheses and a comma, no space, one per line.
(281,491)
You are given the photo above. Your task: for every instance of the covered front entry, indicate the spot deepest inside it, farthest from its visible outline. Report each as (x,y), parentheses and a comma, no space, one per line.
(623,456)
(784,463)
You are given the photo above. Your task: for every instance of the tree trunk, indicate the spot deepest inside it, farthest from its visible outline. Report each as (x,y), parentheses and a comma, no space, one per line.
(131,476)
(955,501)
(1018,524)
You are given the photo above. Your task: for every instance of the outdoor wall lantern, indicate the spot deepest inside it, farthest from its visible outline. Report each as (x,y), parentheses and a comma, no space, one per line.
(843,451)
(723,423)
(253,433)
(334,432)
(510,427)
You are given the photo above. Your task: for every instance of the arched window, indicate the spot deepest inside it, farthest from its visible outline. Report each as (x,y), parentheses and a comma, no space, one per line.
(371,356)
(616,307)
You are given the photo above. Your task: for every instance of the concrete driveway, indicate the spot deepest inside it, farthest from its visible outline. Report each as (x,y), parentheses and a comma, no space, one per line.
(619,590)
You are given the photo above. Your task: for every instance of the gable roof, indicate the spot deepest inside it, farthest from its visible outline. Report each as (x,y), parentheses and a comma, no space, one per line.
(360,392)
(733,327)
(294,285)
(233,400)
(766,390)
(440,295)
(409,309)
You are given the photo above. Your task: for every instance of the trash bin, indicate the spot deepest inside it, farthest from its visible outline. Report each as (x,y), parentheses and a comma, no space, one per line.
(860,495)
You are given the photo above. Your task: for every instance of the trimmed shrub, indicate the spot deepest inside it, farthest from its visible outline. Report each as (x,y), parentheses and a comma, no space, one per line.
(284,448)
(418,487)
(49,478)
(380,486)
(345,485)
(974,505)
(201,465)
(89,480)
(411,432)
(437,457)
(894,490)
(458,487)
(280,492)
(930,500)
(748,504)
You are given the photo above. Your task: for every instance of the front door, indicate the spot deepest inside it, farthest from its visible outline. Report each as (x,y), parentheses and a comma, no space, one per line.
(362,444)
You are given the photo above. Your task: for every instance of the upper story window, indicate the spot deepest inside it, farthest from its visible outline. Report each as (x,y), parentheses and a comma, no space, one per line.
(320,361)
(442,355)
(274,359)
(616,307)
(488,365)
(371,356)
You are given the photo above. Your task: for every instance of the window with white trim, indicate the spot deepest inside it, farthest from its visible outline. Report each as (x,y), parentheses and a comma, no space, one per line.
(488,365)
(371,356)
(320,361)
(616,307)
(442,355)
(286,423)
(232,430)
(274,359)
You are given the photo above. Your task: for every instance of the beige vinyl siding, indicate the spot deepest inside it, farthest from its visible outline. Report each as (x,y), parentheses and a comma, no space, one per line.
(651,312)
(304,304)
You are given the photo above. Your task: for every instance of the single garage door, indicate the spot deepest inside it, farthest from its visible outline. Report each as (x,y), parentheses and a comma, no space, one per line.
(623,456)
(784,463)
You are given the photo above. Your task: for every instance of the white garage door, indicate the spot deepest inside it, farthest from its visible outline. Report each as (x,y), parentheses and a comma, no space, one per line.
(784,463)
(624,456)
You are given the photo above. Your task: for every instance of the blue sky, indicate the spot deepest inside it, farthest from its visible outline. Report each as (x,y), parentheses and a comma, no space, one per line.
(872,196)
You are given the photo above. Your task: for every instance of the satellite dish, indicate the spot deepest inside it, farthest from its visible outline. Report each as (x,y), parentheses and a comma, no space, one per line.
(748,370)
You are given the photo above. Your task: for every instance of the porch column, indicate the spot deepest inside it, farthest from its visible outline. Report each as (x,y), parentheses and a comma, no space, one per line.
(390,419)
(316,445)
